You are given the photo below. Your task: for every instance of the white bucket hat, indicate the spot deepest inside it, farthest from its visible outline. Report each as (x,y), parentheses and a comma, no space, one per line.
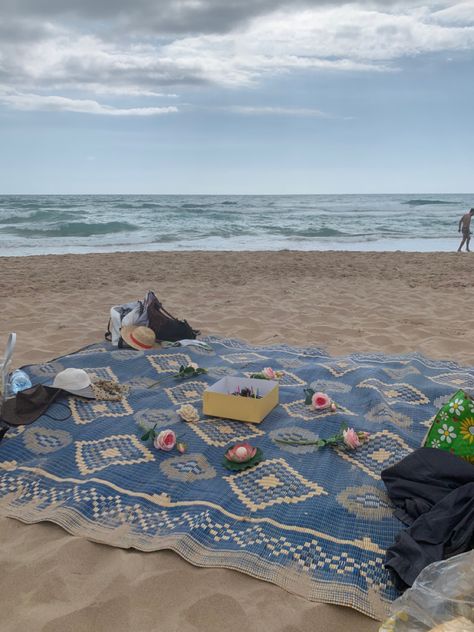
(74,381)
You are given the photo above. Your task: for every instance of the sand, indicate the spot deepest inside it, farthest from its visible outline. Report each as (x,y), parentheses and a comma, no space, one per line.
(345,302)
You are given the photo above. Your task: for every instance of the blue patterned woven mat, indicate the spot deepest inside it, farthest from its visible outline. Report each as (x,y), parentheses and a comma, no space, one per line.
(316,523)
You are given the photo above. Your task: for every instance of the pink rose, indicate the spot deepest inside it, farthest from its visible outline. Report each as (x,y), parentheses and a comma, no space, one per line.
(321,401)
(351,438)
(165,440)
(269,373)
(181,447)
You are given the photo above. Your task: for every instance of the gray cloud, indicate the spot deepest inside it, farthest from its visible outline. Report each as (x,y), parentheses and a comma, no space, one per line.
(65,49)
(165,17)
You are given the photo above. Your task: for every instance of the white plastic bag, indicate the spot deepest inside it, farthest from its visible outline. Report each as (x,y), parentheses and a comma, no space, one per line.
(440,600)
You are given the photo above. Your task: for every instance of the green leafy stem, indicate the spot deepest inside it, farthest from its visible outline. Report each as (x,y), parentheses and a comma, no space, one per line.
(189,371)
(184,372)
(337,439)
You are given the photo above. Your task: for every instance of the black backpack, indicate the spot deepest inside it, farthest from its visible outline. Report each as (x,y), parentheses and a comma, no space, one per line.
(166,326)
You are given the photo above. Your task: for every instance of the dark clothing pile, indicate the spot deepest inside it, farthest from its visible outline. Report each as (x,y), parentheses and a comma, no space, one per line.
(433,491)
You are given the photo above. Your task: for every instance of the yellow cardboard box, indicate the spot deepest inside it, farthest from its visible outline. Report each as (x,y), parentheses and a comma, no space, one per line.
(218,400)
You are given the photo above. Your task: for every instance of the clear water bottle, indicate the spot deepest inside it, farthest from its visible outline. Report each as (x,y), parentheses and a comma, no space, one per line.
(19,381)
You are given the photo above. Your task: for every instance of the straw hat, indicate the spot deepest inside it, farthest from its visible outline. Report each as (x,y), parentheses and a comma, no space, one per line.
(140,338)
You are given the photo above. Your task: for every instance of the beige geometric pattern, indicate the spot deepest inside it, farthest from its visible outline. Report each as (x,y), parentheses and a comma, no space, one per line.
(393,393)
(383,450)
(186,392)
(188,468)
(93,456)
(301,410)
(101,373)
(219,433)
(366,501)
(272,482)
(288,379)
(168,363)
(338,368)
(382,413)
(45,440)
(243,358)
(397,374)
(461,379)
(85,411)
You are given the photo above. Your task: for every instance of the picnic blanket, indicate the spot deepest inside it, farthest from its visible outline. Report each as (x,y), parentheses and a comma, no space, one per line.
(315,522)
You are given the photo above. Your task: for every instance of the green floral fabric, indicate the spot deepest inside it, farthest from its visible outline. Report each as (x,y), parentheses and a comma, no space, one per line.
(453,427)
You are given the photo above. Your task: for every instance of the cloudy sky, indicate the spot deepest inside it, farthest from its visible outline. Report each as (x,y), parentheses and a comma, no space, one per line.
(236,96)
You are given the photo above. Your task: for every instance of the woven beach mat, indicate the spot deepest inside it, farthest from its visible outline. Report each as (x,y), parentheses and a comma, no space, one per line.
(315,522)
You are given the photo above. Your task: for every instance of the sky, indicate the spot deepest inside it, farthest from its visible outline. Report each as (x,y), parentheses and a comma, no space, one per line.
(244,97)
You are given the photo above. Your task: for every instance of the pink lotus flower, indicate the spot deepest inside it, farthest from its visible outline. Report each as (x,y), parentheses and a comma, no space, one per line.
(165,440)
(351,438)
(240,453)
(269,373)
(320,401)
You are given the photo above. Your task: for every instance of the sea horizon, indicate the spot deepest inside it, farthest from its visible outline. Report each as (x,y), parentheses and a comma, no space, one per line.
(86,223)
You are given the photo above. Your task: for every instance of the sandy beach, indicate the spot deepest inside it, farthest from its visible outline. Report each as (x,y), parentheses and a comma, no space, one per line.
(344,302)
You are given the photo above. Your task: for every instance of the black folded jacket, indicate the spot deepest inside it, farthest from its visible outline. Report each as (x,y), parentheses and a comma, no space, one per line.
(433,491)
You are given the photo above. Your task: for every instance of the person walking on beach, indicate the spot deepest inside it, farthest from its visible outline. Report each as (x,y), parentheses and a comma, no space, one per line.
(465,226)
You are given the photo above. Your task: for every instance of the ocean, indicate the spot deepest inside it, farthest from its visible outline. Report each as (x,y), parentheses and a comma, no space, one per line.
(53,224)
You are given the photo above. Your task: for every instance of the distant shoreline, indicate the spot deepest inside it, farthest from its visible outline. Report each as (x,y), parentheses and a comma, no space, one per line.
(408,246)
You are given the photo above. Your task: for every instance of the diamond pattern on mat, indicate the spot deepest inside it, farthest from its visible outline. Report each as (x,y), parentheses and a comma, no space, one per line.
(219,433)
(243,358)
(168,362)
(290,363)
(190,467)
(85,411)
(272,482)
(44,440)
(288,379)
(330,386)
(397,392)
(382,413)
(338,368)
(366,501)
(464,380)
(397,374)
(101,373)
(48,370)
(115,510)
(300,410)
(381,451)
(93,456)
(186,392)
